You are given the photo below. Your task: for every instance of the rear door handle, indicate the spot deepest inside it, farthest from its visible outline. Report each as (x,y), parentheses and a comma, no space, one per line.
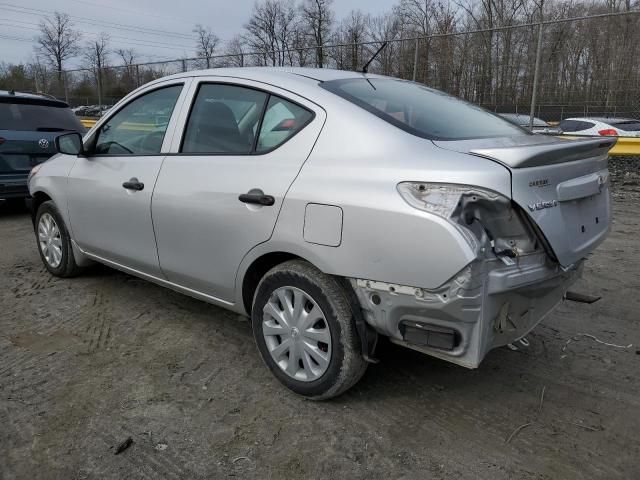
(256,197)
(133,184)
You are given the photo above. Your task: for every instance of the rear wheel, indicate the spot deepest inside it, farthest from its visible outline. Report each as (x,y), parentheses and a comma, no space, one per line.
(54,242)
(303,326)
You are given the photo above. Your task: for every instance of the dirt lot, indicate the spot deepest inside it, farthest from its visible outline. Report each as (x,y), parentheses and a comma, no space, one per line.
(87,362)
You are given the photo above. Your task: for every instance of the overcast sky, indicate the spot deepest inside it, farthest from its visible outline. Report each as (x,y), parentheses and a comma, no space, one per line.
(156,29)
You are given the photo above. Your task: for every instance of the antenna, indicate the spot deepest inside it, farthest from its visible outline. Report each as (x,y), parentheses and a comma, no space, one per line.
(365,69)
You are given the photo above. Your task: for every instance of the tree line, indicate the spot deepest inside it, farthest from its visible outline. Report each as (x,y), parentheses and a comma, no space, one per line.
(582,62)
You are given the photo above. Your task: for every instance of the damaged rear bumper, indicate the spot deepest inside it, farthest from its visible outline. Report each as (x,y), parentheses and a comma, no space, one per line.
(486,305)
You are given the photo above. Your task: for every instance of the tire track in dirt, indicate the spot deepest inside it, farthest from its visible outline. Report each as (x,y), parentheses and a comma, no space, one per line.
(97,334)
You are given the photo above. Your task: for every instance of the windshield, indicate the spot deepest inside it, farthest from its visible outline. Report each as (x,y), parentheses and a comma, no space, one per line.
(38,118)
(422,111)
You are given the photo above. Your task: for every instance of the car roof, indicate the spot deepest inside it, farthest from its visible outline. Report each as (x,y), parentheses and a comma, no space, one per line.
(288,78)
(301,81)
(319,74)
(11,96)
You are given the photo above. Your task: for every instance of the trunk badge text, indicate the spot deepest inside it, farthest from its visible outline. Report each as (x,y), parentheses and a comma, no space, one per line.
(542,205)
(539,183)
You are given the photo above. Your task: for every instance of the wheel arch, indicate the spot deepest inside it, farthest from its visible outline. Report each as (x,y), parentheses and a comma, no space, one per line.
(262,263)
(257,269)
(37,199)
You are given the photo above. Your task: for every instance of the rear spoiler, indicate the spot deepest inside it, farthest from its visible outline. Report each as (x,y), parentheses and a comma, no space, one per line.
(559,151)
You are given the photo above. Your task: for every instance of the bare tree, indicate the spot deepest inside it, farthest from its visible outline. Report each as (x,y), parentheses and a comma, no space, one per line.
(58,41)
(95,55)
(38,69)
(318,18)
(271,30)
(352,30)
(388,26)
(128,57)
(207,43)
(235,52)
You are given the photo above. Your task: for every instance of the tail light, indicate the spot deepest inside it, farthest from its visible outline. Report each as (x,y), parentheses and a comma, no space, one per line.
(1,140)
(608,132)
(483,217)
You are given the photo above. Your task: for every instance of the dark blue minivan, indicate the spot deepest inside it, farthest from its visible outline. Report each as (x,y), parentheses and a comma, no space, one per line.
(29,124)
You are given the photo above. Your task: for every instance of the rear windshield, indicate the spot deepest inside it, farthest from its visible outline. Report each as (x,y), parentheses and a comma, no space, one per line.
(422,111)
(628,125)
(41,118)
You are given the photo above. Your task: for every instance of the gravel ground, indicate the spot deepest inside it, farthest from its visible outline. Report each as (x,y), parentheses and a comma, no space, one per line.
(86,363)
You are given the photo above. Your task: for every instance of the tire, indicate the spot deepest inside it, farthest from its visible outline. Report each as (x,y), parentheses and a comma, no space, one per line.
(323,338)
(53,242)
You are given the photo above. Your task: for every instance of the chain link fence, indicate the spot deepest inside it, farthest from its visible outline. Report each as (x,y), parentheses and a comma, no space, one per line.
(587,66)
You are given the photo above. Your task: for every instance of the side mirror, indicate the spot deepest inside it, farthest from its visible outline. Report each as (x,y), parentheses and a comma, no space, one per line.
(70,144)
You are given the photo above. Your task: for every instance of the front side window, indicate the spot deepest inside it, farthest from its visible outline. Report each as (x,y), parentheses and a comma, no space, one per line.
(139,127)
(282,120)
(422,111)
(224,120)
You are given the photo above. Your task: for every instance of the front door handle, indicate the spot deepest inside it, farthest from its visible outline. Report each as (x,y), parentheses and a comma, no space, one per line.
(257,197)
(133,184)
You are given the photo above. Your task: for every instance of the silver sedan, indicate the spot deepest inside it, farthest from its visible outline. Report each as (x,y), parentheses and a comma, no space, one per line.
(331,207)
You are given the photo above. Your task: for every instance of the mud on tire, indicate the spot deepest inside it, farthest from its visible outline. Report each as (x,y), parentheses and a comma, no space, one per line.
(67,266)
(346,365)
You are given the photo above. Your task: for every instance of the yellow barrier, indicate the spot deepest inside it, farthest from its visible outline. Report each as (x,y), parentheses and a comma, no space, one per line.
(143,127)
(626,146)
(87,122)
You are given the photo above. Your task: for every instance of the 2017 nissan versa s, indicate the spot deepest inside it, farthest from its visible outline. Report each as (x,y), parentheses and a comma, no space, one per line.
(331,207)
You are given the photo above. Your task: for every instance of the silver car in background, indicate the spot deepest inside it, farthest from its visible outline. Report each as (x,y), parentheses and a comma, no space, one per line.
(539,125)
(331,207)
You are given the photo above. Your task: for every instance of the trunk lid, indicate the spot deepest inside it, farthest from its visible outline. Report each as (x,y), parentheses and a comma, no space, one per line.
(563,186)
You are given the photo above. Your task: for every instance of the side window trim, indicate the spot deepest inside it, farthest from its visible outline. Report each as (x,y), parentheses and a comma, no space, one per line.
(193,94)
(256,137)
(171,126)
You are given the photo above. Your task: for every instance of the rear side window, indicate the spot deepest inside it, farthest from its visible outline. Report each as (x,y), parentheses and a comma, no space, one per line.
(282,120)
(422,111)
(575,125)
(38,118)
(224,119)
(628,125)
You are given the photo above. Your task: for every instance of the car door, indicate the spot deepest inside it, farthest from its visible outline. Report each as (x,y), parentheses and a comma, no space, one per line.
(219,194)
(110,189)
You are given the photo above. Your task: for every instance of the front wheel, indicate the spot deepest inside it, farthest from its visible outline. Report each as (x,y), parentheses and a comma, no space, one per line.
(54,242)
(303,326)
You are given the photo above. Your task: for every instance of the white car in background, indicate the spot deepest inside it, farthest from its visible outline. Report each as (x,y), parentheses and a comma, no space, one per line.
(593,126)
